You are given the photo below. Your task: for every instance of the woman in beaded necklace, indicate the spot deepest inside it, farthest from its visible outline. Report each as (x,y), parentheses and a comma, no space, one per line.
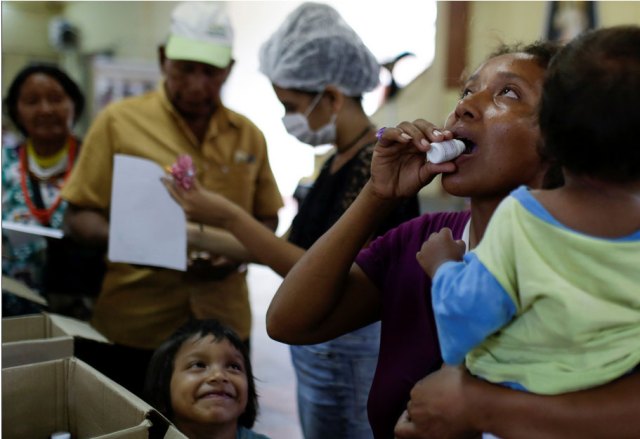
(43,103)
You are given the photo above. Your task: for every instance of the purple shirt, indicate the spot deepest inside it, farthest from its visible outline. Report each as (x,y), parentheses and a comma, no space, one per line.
(409,342)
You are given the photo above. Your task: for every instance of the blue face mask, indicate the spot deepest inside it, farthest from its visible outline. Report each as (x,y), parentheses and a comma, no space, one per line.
(297,125)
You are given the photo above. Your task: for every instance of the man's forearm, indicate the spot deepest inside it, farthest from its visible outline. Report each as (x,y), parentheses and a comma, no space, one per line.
(86,226)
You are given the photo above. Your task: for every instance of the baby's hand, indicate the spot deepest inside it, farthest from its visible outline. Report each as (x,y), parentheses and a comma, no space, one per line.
(438,249)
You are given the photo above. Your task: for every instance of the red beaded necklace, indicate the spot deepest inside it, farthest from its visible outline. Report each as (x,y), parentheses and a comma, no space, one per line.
(44,215)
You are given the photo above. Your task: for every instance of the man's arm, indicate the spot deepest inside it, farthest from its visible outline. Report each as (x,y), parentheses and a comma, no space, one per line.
(450,403)
(86,226)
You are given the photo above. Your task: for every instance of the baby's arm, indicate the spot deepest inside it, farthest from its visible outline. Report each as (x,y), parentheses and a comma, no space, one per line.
(469,305)
(438,249)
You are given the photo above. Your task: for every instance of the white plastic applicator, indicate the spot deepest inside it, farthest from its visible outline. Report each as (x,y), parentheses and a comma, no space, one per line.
(445,151)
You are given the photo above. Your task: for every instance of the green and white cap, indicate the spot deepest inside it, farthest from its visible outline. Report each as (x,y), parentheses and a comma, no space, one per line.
(200,31)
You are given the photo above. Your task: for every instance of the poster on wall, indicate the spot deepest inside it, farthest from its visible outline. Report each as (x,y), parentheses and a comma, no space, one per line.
(567,19)
(113,80)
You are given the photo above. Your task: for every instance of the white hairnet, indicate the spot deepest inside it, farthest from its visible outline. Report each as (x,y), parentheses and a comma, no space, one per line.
(314,47)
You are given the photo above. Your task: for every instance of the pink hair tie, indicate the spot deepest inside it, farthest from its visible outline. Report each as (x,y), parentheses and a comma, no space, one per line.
(183,171)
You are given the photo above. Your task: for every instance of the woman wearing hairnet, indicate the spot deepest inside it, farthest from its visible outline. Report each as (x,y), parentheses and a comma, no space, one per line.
(319,69)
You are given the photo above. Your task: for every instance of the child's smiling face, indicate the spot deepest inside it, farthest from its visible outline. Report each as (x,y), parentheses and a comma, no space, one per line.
(209,383)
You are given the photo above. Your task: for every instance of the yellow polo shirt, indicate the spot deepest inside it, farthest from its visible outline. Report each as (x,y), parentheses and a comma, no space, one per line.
(139,306)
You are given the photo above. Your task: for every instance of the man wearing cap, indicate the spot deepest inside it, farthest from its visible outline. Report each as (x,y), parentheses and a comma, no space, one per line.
(139,307)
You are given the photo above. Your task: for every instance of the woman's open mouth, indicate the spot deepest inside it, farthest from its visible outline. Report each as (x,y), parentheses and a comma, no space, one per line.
(470,146)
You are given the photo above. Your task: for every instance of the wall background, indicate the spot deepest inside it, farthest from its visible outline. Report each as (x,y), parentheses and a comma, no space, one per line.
(131,31)
(491,22)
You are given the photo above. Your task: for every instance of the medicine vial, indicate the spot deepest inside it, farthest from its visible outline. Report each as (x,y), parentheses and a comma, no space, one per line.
(445,151)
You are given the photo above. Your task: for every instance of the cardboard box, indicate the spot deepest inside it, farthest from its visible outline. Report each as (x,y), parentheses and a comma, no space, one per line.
(69,395)
(42,337)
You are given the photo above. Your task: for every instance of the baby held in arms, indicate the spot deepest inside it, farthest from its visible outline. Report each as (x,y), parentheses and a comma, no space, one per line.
(548,301)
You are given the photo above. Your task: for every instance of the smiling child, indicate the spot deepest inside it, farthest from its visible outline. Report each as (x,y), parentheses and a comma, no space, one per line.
(201,379)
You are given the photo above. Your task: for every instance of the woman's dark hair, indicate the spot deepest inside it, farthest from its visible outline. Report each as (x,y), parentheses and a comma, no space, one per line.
(157,386)
(69,86)
(589,106)
(542,51)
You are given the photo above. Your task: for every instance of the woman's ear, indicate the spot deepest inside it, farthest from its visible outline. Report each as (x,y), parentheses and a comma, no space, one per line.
(336,96)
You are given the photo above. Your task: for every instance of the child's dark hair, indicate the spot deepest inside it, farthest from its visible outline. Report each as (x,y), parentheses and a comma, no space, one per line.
(157,388)
(589,107)
(69,86)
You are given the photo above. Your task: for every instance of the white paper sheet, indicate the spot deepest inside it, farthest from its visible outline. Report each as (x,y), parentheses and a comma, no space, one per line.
(21,234)
(147,226)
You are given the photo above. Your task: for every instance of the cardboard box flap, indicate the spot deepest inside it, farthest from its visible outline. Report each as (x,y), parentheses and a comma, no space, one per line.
(95,400)
(66,395)
(162,428)
(69,395)
(174,433)
(138,432)
(30,327)
(36,351)
(145,431)
(46,325)
(35,391)
(21,289)
(74,328)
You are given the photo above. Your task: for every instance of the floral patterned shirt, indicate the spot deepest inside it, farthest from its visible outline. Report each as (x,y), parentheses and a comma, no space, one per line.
(23,256)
